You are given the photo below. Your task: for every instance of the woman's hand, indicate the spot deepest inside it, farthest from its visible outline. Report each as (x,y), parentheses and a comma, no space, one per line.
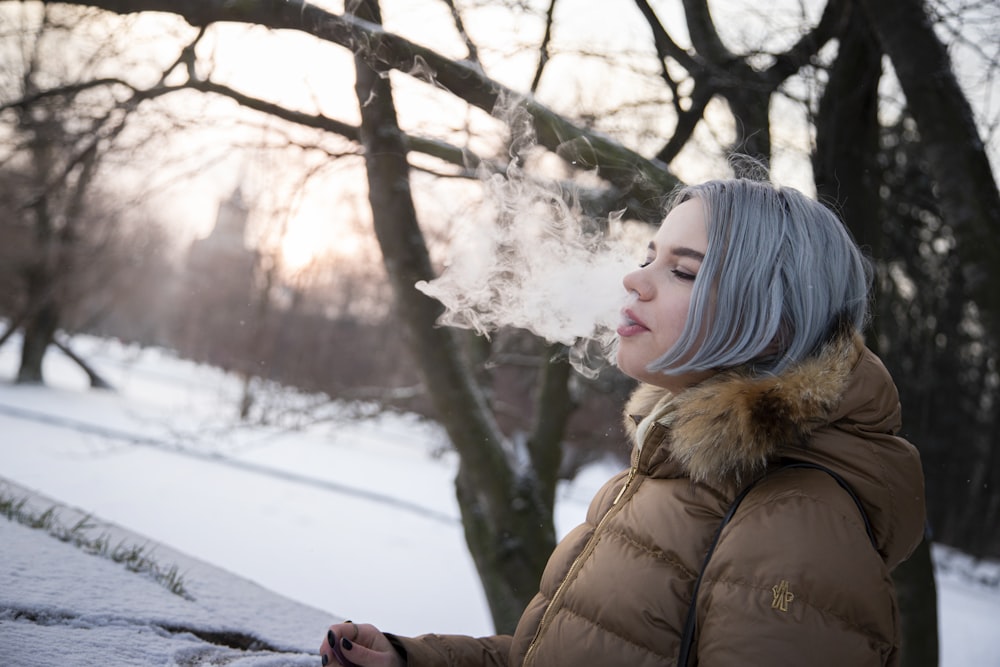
(364,645)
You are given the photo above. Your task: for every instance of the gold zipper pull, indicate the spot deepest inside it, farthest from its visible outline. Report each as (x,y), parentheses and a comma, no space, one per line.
(628,480)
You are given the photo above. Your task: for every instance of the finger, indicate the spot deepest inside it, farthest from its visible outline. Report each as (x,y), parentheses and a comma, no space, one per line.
(325,652)
(338,651)
(357,645)
(355,653)
(330,649)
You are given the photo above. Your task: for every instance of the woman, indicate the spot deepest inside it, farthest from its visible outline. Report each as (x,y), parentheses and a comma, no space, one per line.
(743,328)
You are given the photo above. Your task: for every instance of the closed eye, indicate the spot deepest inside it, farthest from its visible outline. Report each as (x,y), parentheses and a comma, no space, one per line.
(683,275)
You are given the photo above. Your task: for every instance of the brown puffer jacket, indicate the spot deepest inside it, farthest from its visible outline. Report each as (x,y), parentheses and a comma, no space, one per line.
(794,579)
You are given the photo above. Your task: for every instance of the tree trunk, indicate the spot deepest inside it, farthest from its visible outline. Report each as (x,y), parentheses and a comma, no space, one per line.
(545,441)
(846,171)
(845,164)
(42,309)
(955,153)
(508,527)
(38,332)
(917,595)
(751,113)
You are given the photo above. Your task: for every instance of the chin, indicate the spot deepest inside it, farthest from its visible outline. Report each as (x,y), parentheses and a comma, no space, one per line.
(635,372)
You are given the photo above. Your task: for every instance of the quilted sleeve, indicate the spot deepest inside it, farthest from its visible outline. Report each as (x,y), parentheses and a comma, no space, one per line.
(434,650)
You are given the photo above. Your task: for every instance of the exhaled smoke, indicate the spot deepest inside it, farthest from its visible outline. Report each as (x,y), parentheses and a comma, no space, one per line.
(532,260)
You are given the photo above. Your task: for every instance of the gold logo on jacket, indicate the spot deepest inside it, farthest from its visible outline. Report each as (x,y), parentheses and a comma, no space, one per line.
(782,596)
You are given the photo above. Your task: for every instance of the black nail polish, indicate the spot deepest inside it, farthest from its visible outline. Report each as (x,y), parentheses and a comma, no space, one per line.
(325,660)
(331,638)
(339,654)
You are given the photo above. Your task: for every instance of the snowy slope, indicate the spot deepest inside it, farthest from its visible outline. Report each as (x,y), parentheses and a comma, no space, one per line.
(58,602)
(311,520)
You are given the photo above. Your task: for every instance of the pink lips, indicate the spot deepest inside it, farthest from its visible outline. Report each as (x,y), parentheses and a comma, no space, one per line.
(631,325)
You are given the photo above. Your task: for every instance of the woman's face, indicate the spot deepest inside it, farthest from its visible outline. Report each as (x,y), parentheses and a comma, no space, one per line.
(662,288)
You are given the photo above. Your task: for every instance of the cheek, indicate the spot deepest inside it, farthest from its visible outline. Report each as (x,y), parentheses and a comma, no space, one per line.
(675,318)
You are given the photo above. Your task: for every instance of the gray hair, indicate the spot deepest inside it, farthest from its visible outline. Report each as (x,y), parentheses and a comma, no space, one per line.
(781,272)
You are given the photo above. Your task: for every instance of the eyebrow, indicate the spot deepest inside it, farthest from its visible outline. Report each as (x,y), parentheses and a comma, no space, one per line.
(682,251)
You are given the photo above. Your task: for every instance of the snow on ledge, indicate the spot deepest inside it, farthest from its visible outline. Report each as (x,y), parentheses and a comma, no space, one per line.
(58,602)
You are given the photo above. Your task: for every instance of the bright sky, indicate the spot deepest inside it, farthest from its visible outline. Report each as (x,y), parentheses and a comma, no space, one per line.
(305,73)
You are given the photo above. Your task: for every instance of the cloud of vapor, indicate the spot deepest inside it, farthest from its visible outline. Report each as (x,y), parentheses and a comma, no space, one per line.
(532,260)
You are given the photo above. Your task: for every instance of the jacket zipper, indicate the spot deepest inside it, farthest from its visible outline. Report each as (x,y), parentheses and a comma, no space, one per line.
(628,481)
(556,602)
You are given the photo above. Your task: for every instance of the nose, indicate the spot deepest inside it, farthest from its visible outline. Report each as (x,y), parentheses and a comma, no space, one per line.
(636,284)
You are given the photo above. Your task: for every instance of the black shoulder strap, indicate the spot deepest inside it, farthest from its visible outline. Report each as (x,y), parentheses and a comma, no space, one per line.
(687,638)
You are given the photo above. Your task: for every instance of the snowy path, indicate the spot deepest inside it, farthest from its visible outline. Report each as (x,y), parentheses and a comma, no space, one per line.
(133,438)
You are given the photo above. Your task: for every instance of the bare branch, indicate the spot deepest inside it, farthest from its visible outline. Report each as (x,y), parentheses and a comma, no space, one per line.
(187,58)
(68,91)
(543,49)
(460,26)
(641,180)
(833,21)
(666,47)
(704,36)
(686,122)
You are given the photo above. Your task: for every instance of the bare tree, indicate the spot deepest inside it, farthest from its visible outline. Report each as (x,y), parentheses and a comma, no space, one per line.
(499,501)
(58,217)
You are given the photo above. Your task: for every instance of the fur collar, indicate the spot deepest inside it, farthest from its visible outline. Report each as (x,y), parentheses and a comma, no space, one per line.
(728,427)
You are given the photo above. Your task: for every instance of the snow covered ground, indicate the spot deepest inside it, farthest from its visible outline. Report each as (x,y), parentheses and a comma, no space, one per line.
(61,605)
(277,530)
